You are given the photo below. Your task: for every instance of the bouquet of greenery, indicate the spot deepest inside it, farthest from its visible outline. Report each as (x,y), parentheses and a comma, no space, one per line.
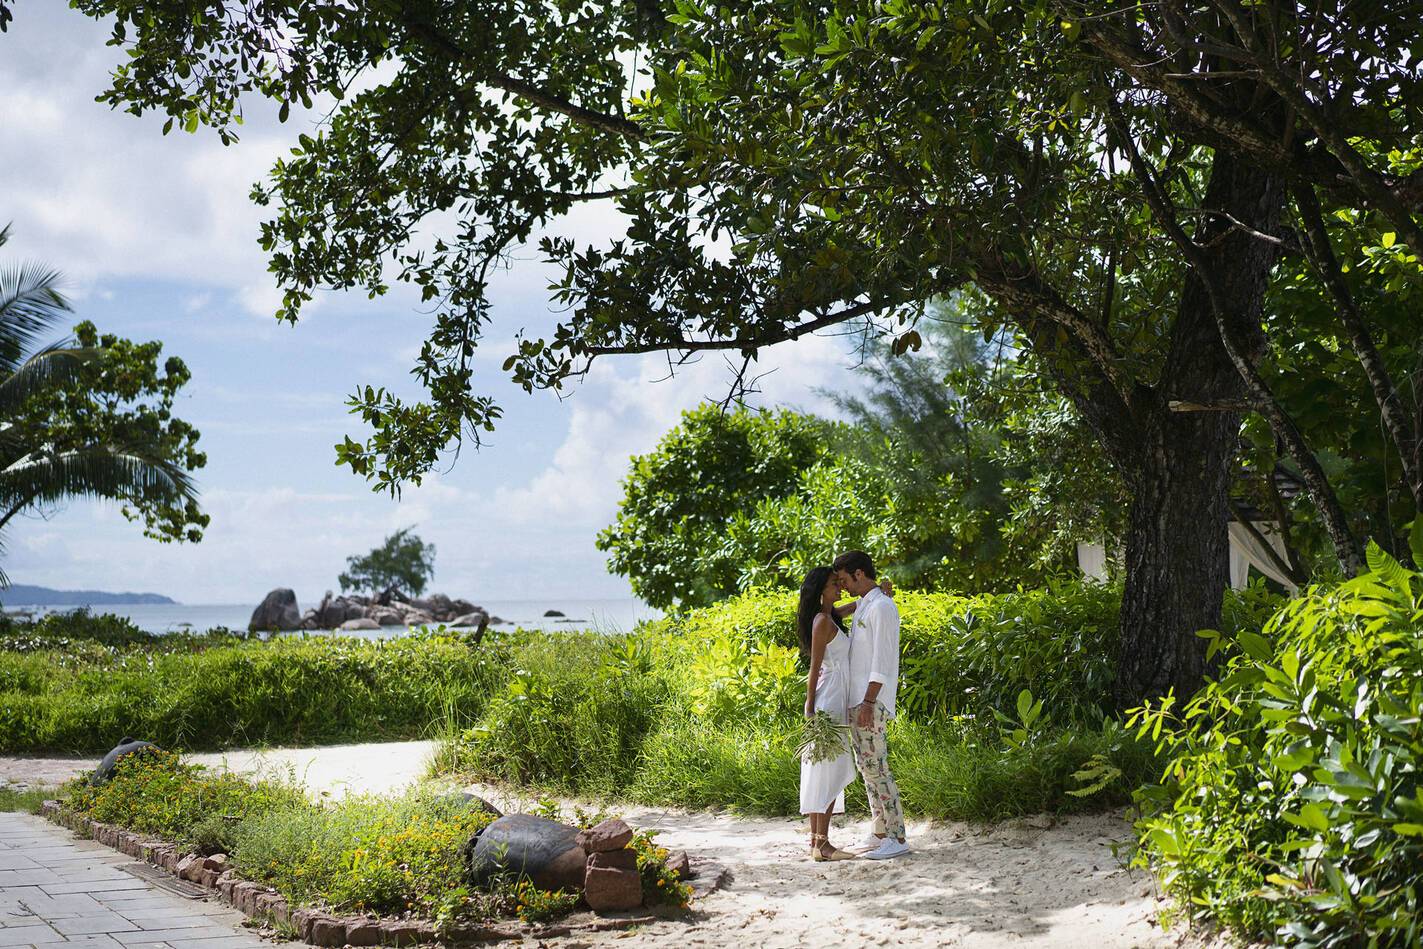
(822,738)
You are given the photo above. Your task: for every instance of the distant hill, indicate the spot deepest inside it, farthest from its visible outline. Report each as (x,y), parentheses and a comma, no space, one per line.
(19,594)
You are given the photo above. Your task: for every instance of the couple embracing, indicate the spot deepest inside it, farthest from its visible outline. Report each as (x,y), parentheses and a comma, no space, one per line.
(853,677)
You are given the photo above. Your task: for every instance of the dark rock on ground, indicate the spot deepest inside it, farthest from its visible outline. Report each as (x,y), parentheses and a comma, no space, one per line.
(678,864)
(614,860)
(544,850)
(127,745)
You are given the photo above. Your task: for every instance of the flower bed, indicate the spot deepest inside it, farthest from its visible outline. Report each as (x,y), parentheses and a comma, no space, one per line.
(367,871)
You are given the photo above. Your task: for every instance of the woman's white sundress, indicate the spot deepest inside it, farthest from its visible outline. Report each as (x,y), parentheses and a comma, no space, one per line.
(824,782)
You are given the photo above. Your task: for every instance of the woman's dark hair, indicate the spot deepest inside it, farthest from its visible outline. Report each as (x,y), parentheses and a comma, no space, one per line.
(810,590)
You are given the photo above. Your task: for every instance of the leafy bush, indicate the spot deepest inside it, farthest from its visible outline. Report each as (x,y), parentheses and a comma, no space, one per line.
(567,717)
(383,855)
(1293,804)
(968,771)
(704,709)
(387,855)
(55,630)
(959,655)
(668,538)
(233,692)
(154,792)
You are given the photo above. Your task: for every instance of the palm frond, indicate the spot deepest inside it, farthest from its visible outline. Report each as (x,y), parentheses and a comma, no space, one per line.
(30,305)
(104,471)
(53,366)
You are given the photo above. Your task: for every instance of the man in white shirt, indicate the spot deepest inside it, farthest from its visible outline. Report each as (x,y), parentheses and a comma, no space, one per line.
(874,679)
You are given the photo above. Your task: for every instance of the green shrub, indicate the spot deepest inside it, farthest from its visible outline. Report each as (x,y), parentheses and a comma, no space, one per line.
(154,792)
(965,771)
(1293,804)
(569,717)
(383,855)
(69,627)
(704,709)
(963,655)
(236,692)
(746,767)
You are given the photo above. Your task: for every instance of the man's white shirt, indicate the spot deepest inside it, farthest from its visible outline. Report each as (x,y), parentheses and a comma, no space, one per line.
(874,648)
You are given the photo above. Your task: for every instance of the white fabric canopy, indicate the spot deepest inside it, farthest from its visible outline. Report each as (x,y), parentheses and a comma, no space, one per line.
(1245,552)
(1092,561)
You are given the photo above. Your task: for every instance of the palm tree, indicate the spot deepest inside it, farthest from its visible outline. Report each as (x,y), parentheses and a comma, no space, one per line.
(34,469)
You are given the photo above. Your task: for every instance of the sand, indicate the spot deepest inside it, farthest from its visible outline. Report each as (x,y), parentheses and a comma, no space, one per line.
(1034,882)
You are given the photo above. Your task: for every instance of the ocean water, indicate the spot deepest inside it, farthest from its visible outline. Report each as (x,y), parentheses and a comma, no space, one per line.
(603,615)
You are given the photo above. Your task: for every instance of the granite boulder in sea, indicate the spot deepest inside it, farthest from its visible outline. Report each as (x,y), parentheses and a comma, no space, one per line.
(279,612)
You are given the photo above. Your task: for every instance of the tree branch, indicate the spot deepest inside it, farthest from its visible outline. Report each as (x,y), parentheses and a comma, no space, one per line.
(1365,179)
(1405,438)
(518,87)
(1284,427)
(744,344)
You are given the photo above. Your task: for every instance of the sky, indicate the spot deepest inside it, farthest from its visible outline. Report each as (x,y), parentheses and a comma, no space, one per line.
(158,240)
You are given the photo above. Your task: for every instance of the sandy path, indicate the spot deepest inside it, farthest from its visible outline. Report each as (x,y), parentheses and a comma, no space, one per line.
(1027,883)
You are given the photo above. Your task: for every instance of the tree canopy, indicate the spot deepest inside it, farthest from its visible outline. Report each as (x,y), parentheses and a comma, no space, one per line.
(1121,181)
(670,537)
(403,562)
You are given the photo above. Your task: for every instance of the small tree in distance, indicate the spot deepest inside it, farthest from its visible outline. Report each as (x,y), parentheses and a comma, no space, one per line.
(403,561)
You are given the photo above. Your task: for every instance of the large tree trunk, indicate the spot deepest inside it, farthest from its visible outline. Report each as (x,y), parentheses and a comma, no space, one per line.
(1182,463)
(1177,554)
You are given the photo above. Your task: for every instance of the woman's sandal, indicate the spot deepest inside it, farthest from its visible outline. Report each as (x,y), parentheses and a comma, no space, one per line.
(818,843)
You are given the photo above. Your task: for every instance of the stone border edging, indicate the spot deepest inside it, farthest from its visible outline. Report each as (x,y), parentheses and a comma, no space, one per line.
(320,928)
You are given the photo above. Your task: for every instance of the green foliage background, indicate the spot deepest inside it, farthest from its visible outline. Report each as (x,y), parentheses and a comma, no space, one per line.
(1292,804)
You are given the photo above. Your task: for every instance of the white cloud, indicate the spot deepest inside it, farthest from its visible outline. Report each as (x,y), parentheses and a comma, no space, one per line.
(623,407)
(102,194)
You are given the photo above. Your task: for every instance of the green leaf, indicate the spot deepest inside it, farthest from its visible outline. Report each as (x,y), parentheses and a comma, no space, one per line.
(1415,540)
(1389,238)
(1257,647)
(1165,841)
(1389,570)
(1310,817)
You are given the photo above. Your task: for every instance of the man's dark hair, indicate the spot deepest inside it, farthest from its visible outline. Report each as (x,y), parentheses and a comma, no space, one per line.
(855,560)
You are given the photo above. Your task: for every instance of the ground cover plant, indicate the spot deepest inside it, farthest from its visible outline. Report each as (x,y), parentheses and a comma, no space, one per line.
(77,684)
(1292,807)
(388,855)
(1005,705)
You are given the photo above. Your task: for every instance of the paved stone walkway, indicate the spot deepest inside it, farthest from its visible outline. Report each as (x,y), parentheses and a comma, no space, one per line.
(58,890)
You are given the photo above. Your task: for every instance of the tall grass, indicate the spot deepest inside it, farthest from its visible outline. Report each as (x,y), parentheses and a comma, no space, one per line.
(233,692)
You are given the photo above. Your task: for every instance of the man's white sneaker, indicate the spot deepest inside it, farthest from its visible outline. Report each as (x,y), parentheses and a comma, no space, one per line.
(871,842)
(888,849)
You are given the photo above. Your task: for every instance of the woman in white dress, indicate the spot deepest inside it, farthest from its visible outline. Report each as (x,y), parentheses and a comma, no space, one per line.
(823,639)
